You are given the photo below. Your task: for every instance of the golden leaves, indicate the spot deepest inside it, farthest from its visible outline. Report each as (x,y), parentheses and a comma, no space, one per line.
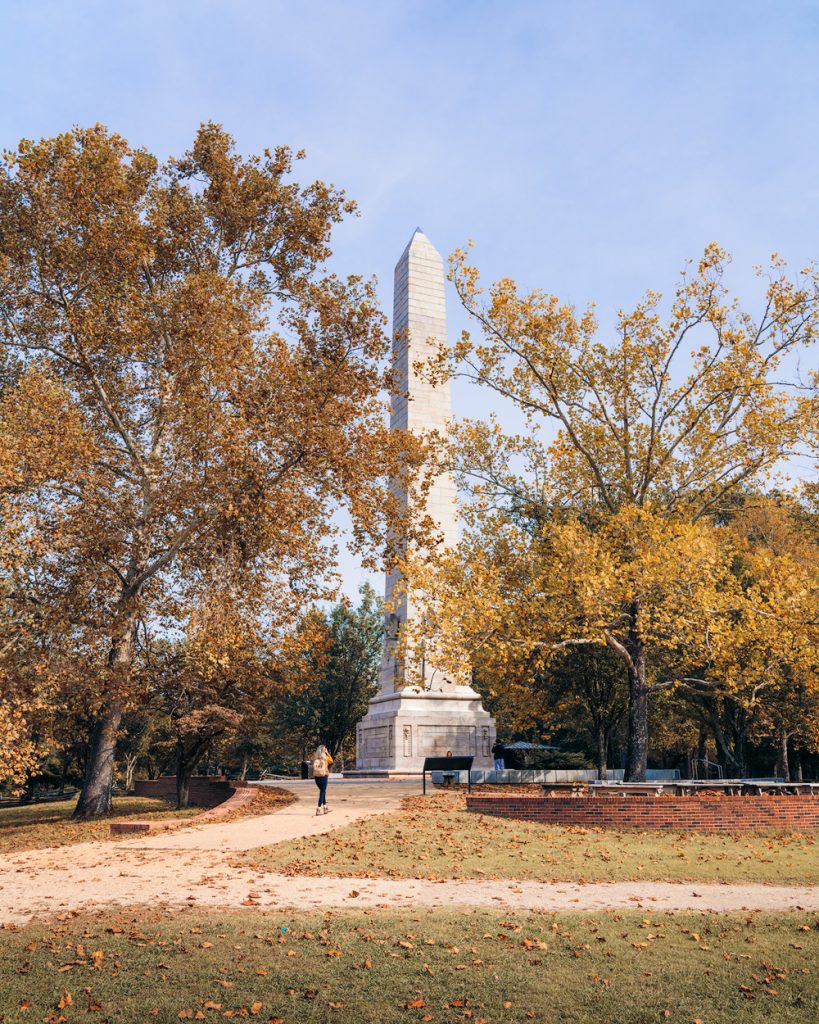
(641,419)
(189,397)
(596,525)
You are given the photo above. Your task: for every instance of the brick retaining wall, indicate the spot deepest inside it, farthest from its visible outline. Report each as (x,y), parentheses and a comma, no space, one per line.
(211,791)
(205,790)
(703,814)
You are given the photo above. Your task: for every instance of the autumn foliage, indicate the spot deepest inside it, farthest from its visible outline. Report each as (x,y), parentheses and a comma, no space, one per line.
(606,521)
(188,396)
(188,399)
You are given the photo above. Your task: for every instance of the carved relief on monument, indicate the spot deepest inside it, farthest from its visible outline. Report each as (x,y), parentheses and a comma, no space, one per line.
(407,741)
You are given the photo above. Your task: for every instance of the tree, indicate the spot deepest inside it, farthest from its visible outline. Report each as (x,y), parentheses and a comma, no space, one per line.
(333,679)
(213,683)
(137,733)
(28,689)
(19,751)
(527,593)
(790,719)
(598,514)
(31,716)
(765,653)
(574,691)
(217,392)
(592,680)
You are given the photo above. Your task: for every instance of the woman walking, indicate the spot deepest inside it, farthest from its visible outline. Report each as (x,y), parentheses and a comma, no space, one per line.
(322,759)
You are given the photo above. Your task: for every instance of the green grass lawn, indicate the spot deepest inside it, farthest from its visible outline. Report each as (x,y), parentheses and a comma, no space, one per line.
(37,826)
(433,966)
(436,837)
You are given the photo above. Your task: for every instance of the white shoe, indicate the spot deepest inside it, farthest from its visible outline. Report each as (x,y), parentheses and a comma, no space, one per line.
(326,810)
(318,811)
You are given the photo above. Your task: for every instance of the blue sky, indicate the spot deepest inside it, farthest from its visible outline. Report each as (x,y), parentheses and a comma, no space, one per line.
(587,147)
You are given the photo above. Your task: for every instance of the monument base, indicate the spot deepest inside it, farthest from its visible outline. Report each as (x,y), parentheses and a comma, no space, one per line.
(402,728)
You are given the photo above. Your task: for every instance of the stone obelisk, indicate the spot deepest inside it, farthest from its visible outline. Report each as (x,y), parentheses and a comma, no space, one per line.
(419,712)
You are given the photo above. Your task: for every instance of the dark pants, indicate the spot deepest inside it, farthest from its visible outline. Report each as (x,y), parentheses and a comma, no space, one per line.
(321,782)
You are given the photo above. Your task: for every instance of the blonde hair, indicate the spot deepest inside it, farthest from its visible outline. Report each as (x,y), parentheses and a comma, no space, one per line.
(321,751)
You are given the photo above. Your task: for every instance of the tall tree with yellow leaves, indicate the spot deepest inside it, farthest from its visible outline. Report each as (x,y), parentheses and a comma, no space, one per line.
(764,654)
(217,391)
(593,525)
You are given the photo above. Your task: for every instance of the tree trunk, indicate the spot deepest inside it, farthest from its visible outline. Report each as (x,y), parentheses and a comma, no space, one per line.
(188,759)
(637,745)
(183,787)
(602,752)
(95,796)
(245,766)
(184,770)
(735,757)
(29,789)
(782,768)
(130,770)
(702,743)
(740,743)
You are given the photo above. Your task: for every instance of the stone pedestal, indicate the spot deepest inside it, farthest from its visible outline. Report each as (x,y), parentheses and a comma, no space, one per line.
(402,728)
(419,712)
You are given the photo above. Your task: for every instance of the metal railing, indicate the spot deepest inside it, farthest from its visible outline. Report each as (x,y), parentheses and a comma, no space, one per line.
(706,764)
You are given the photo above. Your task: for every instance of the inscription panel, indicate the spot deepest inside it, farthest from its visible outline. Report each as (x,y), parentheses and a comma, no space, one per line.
(436,740)
(375,741)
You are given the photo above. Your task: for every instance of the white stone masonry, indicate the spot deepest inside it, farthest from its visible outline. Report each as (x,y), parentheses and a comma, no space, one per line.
(419,712)
(419,326)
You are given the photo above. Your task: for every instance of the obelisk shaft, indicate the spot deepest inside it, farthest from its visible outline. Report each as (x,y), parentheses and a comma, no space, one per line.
(419,327)
(418,711)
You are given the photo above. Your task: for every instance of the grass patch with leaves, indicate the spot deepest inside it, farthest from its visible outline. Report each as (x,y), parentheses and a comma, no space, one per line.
(37,826)
(436,837)
(434,966)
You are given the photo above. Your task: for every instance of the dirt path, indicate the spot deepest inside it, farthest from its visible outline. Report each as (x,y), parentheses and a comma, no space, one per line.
(350,801)
(193,868)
